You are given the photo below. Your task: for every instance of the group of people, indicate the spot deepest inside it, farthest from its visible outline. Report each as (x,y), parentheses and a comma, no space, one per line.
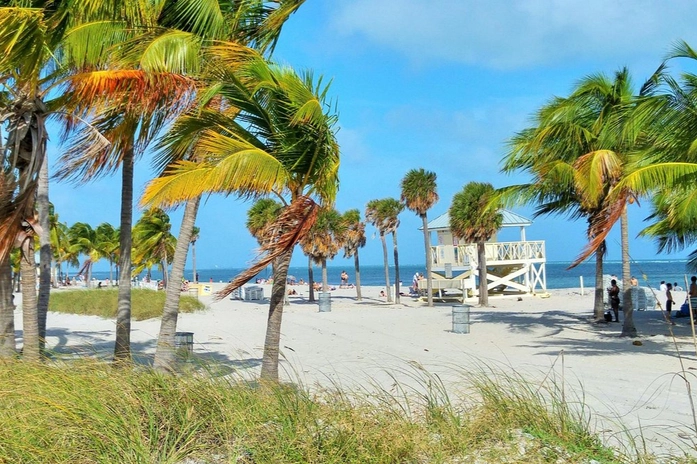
(665,287)
(668,288)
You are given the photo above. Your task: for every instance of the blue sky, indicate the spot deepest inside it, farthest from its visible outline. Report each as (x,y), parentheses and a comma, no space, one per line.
(439,85)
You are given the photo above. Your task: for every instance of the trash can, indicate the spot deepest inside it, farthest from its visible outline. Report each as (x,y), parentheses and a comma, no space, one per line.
(184,343)
(461,319)
(325,302)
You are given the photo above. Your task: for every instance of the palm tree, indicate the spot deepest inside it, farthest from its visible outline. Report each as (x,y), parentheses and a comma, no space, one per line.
(475,217)
(195,26)
(195,234)
(355,239)
(84,241)
(324,240)
(373,216)
(153,242)
(389,210)
(587,156)
(419,195)
(165,353)
(286,147)
(108,238)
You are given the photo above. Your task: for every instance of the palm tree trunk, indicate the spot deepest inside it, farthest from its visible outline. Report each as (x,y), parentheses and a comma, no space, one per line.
(269,362)
(483,291)
(387,269)
(165,273)
(310,279)
(325,277)
(429,260)
(30,319)
(165,358)
(598,305)
(45,255)
(628,328)
(193,261)
(357,266)
(396,267)
(8,347)
(122,347)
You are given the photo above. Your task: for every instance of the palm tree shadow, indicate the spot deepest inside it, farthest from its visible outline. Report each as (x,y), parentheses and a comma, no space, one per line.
(100,346)
(603,339)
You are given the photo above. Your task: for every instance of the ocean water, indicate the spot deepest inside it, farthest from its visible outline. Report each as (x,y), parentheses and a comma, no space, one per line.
(649,273)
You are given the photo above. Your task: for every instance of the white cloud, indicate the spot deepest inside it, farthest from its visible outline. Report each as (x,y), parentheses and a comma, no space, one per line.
(511,34)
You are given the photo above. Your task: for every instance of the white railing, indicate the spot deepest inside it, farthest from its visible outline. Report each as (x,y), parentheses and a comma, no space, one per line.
(499,252)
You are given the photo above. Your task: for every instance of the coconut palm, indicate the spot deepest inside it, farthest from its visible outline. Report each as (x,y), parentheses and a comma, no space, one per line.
(286,147)
(354,239)
(475,217)
(373,216)
(419,195)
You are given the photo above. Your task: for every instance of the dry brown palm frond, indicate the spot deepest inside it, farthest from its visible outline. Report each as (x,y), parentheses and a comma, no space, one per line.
(601,226)
(291,226)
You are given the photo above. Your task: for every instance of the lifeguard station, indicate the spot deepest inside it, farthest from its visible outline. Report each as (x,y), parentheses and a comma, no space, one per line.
(512,267)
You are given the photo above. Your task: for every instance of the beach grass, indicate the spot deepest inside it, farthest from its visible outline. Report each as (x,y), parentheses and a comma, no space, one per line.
(86,411)
(145,304)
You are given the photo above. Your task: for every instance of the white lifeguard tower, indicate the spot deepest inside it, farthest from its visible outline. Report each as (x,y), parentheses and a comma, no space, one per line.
(512,267)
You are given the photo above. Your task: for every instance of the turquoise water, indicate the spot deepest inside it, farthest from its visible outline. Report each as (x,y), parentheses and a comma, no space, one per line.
(649,273)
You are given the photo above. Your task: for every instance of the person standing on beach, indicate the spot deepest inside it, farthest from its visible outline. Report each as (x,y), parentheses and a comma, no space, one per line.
(344,279)
(693,287)
(669,299)
(613,292)
(634,282)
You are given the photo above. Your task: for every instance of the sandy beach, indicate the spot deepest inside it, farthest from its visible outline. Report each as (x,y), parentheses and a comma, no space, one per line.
(371,343)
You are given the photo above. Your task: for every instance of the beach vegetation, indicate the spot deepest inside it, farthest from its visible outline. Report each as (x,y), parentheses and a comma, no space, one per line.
(102,302)
(354,240)
(419,194)
(85,411)
(475,217)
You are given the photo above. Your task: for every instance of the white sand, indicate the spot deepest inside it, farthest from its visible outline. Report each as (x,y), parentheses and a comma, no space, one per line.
(370,342)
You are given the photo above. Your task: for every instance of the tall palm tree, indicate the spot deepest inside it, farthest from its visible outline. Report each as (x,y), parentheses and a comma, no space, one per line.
(475,217)
(374,217)
(287,147)
(355,239)
(195,234)
(419,195)
(585,154)
(389,211)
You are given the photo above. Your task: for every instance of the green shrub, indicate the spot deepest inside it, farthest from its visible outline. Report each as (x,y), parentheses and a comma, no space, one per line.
(145,304)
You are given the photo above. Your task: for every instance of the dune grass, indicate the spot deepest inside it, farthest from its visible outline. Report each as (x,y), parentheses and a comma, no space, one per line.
(90,412)
(145,304)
